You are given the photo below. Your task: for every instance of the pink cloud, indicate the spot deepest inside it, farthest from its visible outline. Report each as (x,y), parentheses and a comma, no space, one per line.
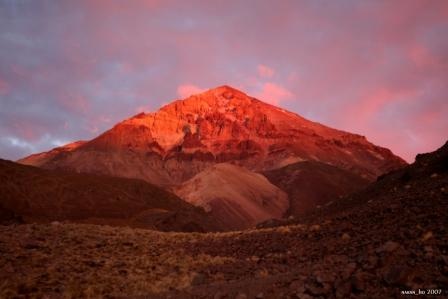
(186,90)
(377,73)
(27,130)
(143,108)
(274,93)
(420,56)
(265,71)
(4,87)
(367,109)
(75,103)
(104,119)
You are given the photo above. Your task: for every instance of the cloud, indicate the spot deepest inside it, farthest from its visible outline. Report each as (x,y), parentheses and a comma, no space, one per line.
(142,108)
(378,73)
(14,148)
(4,87)
(273,93)
(74,103)
(369,106)
(265,71)
(186,90)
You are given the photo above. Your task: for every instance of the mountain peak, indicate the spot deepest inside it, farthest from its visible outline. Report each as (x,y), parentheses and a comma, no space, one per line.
(222,124)
(220,95)
(223,99)
(227,88)
(224,88)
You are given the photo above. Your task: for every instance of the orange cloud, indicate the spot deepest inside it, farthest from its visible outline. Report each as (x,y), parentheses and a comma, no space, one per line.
(187,90)
(265,71)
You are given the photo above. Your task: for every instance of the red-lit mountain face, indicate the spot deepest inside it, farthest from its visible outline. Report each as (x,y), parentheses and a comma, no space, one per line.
(183,138)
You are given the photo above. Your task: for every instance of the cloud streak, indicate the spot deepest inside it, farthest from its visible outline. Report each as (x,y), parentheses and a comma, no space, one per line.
(265,71)
(186,90)
(274,93)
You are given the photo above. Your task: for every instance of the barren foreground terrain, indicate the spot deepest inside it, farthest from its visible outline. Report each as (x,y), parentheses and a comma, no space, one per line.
(384,241)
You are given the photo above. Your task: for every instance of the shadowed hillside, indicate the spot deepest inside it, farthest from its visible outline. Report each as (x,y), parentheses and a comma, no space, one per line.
(385,241)
(38,195)
(310,184)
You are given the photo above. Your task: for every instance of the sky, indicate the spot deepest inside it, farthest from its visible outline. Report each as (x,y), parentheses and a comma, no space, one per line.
(69,70)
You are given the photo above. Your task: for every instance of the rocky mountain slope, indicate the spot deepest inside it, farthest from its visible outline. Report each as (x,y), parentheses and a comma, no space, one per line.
(235,196)
(30,194)
(223,124)
(312,184)
(387,241)
(42,158)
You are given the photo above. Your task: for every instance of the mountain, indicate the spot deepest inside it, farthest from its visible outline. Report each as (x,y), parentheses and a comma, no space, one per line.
(312,184)
(386,241)
(42,158)
(235,196)
(223,124)
(30,194)
(173,146)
